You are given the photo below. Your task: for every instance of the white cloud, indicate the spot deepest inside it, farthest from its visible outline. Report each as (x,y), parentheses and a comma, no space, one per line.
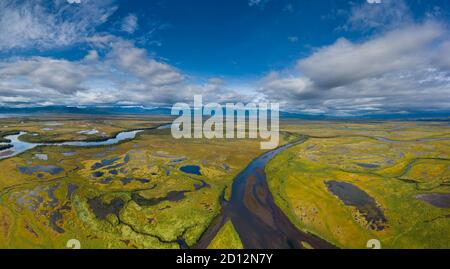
(61,76)
(442,58)
(401,70)
(136,61)
(387,14)
(397,70)
(43,25)
(129,24)
(345,62)
(125,75)
(91,56)
(286,87)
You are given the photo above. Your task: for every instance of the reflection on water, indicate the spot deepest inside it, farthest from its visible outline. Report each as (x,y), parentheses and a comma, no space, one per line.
(51,169)
(120,137)
(165,126)
(19,146)
(191,169)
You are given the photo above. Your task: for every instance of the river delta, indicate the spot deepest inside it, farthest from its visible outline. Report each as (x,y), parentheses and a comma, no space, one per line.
(124,182)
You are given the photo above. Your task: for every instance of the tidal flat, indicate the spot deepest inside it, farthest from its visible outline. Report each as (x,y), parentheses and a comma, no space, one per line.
(154,191)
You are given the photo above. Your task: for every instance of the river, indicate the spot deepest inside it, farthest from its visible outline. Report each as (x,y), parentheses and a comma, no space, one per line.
(19,146)
(260,223)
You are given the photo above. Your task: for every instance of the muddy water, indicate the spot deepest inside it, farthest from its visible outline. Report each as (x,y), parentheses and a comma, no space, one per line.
(172,196)
(354,196)
(259,222)
(102,210)
(441,200)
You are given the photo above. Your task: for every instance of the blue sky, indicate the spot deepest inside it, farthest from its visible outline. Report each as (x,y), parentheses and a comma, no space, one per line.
(331,57)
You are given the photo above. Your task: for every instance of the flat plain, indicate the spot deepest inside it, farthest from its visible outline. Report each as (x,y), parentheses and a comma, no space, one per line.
(348,182)
(149,192)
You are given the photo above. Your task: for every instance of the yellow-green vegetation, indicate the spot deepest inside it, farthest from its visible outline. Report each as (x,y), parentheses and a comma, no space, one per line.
(69,128)
(389,174)
(135,195)
(226,238)
(129,195)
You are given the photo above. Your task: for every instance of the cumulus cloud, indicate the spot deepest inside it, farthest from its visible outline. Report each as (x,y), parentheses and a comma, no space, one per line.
(113,71)
(43,25)
(57,75)
(291,87)
(401,70)
(402,67)
(126,74)
(345,62)
(134,60)
(398,69)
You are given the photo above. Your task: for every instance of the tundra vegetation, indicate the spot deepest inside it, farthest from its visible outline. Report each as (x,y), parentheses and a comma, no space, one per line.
(226,238)
(131,195)
(347,183)
(352,182)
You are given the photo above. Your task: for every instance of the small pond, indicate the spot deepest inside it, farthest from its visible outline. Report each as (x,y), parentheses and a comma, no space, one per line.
(191,169)
(441,200)
(354,196)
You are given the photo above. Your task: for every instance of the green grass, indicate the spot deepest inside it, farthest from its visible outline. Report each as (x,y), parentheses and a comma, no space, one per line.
(150,156)
(226,238)
(297,178)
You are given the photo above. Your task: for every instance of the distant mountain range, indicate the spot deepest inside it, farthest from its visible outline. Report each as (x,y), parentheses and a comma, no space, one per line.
(88,110)
(137,110)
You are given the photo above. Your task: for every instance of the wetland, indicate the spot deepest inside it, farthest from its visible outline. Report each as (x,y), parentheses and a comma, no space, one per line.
(129,184)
